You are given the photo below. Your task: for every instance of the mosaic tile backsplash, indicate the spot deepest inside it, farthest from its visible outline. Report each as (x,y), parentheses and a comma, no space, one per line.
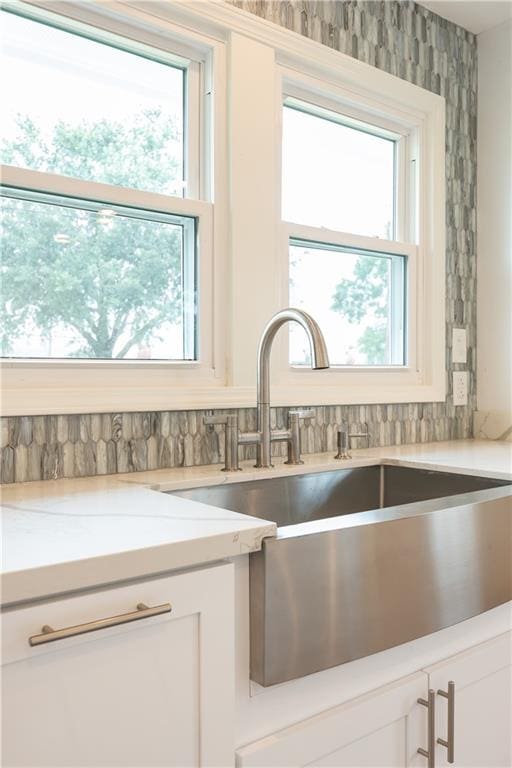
(409,41)
(48,447)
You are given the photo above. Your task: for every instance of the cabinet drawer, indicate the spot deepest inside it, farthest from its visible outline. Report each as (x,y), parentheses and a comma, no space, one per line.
(382,728)
(150,691)
(96,607)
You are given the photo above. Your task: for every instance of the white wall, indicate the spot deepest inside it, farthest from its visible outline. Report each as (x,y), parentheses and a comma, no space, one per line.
(494,297)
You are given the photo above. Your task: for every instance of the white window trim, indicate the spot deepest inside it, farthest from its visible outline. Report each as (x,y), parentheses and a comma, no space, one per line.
(74,386)
(403,128)
(407,108)
(247,247)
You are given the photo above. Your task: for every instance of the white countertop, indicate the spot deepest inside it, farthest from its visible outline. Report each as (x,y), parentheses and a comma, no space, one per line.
(72,536)
(62,535)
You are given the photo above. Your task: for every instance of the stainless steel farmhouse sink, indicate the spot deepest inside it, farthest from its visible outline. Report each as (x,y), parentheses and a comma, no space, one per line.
(366,559)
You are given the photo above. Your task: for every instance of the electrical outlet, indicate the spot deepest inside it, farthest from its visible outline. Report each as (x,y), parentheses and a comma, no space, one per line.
(459,345)
(460,387)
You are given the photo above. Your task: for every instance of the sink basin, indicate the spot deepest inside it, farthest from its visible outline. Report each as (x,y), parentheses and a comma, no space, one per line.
(366,559)
(296,499)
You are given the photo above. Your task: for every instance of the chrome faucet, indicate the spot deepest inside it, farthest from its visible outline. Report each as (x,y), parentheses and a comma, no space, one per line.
(265,436)
(344,441)
(319,361)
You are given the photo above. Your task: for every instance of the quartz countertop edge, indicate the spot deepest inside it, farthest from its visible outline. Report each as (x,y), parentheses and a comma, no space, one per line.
(61,542)
(72,534)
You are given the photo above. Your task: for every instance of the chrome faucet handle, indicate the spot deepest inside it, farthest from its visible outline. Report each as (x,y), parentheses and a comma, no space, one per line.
(211,420)
(344,438)
(294,418)
(230,421)
(362,435)
(343,444)
(304,413)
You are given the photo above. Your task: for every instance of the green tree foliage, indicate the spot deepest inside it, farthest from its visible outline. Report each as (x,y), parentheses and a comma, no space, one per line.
(366,295)
(140,153)
(113,281)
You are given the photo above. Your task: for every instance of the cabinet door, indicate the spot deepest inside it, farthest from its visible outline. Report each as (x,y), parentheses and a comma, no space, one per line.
(382,729)
(154,692)
(483,704)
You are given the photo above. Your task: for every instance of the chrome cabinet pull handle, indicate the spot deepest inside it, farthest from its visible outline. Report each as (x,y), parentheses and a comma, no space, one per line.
(430,753)
(449,743)
(49,635)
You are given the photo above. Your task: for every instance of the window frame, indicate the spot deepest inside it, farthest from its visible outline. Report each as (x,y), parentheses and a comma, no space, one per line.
(190,276)
(296,374)
(261,278)
(324,105)
(37,182)
(245,63)
(420,201)
(334,102)
(176,56)
(399,269)
(204,59)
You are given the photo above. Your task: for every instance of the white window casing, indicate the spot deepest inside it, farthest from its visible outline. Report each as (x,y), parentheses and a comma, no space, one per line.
(245,67)
(313,71)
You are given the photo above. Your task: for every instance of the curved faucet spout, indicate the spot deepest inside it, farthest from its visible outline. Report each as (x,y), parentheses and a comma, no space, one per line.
(319,361)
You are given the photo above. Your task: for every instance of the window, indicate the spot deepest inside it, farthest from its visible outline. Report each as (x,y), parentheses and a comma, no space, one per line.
(337,176)
(100,148)
(125,287)
(357,297)
(82,108)
(83,280)
(340,199)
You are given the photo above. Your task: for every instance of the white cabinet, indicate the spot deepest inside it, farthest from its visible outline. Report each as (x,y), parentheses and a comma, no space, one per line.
(483,705)
(383,728)
(157,691)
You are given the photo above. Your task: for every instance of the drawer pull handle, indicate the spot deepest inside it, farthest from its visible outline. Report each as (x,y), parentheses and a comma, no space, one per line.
(49,635)
(449,742)
(430,753)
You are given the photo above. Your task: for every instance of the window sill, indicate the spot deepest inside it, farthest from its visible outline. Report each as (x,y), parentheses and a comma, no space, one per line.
(34,401)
